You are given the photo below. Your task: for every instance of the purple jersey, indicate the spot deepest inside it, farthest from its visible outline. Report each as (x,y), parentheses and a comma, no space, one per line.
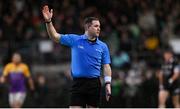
(17,75)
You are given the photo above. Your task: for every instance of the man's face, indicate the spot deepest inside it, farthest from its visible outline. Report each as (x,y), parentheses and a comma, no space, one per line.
(16,58)
(167,56)
(94,28)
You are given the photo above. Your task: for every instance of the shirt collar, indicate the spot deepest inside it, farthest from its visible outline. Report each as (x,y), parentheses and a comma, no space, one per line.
(86,37)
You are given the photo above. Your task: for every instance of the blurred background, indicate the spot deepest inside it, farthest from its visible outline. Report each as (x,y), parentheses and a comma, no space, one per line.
(136,31)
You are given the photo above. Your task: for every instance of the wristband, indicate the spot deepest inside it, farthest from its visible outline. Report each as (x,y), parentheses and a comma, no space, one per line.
(48,21)
(170,81)
(107,83)
(107,79)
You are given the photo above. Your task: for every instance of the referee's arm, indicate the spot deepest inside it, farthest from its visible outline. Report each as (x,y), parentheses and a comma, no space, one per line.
(107,70)
(107,76)
(49,26)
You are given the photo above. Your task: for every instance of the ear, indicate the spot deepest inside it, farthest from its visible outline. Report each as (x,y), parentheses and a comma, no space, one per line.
(88,25)
(85,27)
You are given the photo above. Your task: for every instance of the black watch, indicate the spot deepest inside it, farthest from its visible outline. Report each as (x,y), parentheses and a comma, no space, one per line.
(107,83)
(48,21)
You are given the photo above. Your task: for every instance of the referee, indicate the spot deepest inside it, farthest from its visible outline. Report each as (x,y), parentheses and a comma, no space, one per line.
(169,80)
(88,53)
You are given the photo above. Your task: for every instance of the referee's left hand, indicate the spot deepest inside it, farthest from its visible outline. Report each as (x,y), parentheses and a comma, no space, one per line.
(108,91)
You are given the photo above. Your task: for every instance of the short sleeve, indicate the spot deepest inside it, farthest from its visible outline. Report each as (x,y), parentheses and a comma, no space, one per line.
(68,39)
(106,55)
(26,71)
(6,70)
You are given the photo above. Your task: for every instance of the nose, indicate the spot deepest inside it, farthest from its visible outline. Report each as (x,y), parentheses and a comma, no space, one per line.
(98,28)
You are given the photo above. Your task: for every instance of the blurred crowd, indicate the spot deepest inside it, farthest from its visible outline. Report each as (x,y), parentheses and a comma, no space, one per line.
(136,31)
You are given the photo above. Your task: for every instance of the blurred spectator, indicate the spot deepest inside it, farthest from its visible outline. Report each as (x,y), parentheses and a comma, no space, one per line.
(41,90)
(121,60)
(147,20)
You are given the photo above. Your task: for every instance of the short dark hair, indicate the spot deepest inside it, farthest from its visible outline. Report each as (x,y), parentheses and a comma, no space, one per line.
(168,50)
(88,21)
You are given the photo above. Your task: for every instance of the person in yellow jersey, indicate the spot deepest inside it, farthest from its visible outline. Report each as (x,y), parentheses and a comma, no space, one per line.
(17,72)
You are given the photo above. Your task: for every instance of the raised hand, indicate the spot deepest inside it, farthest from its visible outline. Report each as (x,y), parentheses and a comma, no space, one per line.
(47,14)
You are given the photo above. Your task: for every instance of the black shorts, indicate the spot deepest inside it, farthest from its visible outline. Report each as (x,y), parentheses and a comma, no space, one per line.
(173,89)
(85,91)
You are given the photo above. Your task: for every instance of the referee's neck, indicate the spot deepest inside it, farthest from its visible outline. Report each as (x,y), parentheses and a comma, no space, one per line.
(89,37)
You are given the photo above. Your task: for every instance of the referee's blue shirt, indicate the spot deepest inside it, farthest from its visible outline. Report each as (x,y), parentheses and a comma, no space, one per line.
(87,57)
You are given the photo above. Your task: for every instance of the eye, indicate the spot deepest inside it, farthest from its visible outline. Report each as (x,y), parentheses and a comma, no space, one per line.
(97,26)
